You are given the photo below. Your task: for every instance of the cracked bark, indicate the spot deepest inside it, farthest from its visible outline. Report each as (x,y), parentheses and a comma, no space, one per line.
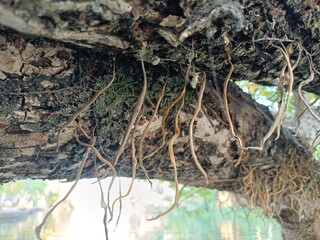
(63,54)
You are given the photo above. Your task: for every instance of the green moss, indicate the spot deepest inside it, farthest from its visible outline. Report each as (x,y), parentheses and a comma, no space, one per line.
(7,105)
(115,106)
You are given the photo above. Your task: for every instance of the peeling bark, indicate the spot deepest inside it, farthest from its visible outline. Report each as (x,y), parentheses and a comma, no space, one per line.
(64,54)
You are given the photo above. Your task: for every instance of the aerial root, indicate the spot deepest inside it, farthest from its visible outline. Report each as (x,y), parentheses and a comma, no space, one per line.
(103,203)
(288,176)
(304,110)
(133,116)
(89,147)
(98,154)
(125,138)
(226,106)
(172,155)
(164,120)
(286,77)
(145,132)
(83,161)
(288,179)
(307,105)
(196,112)
(134,163)
(287,184)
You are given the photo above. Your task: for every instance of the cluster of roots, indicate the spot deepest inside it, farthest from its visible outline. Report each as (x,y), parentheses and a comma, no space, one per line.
(139,155)
(285,182)
(292,185)
(289,183)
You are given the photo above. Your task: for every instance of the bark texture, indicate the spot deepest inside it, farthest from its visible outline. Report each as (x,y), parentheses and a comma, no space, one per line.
(55,56)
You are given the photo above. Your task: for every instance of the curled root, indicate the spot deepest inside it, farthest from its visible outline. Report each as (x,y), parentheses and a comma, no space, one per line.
(197,110)
(283,103)
(163,122)
(172,156)
(133,116)
(286,185)
(145,132)
(83,161)
(102,201)
(134,163)
(226,106)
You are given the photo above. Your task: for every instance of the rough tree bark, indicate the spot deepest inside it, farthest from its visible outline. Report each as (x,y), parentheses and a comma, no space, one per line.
(55,56)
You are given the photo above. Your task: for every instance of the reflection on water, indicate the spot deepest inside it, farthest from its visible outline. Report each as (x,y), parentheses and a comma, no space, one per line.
(204,221)
(20,229)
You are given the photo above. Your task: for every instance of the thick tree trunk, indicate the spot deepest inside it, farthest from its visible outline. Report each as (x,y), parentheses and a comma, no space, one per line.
(46,80)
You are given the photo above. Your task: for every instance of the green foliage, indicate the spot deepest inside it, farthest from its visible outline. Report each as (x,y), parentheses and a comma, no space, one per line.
(266,95)
(31,187)
(316,153)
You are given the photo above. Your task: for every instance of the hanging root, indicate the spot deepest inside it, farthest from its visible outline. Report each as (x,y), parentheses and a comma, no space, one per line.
(163,122)
(304,110)
(102,201)
(226,106)
(88,146)
(145,132)
(308,106)
(172,156)
(83,161)
(283,104)
(127,133)
(134,162)
(133,116)
(197,110)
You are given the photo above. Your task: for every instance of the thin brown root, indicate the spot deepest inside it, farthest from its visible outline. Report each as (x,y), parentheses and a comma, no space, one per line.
(102,202)
(133,116)
(145,132)
(120,207)
(205,109)
(83,161)
(240,158)
(173,159)
(98,154)
(226,106)
(303,83)
(197,110)
(296,128)
(84,107)
(134,163)
(283,105)
(282,109)
(127,132)
(290,84)
(106,162)
(108,197)
(163,123)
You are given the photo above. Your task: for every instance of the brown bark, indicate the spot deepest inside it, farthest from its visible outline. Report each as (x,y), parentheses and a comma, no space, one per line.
(45,80)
